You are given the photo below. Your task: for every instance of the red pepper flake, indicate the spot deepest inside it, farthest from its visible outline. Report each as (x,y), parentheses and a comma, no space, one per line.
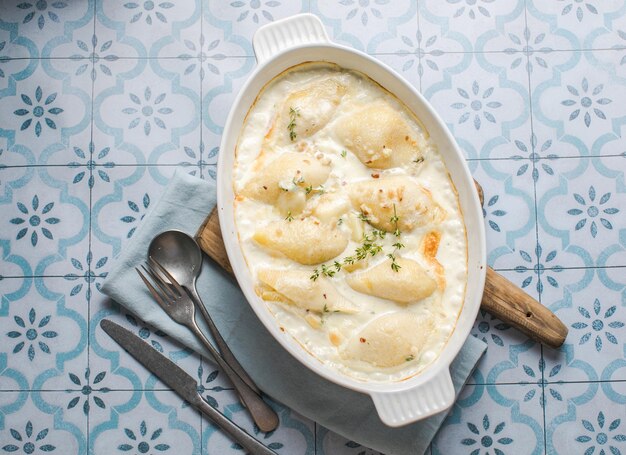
(362,340)
(375,175)
(324,295)
(264,187)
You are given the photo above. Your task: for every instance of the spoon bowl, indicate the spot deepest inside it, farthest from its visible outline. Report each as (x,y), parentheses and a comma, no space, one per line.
(180,255)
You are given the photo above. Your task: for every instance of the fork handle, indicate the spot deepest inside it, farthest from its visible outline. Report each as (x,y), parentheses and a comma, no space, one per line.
(227,354)
(262,414)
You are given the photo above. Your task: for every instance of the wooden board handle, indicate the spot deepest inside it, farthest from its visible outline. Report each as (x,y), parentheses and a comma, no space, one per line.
(510,304)
(501,298)
(209,237)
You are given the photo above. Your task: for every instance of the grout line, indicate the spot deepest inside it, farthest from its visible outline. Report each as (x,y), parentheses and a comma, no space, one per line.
(614,155)
(121,57)
(504,269)
(419,45)
(201,151)
(441,53)
(67,165)
(542,401)
(164,389)
(89,282)
(508,51)
(181,164)
(96,390)
(617,381)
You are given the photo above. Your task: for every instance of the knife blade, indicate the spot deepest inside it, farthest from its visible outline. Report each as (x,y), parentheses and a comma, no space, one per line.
(182,383)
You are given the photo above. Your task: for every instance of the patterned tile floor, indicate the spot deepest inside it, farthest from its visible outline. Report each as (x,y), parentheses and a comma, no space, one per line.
(100,101)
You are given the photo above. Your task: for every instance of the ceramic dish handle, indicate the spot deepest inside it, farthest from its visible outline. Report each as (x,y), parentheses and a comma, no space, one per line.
(293,31)
(401,407)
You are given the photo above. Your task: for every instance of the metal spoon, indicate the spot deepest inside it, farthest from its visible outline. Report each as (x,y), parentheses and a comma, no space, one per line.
(181,256)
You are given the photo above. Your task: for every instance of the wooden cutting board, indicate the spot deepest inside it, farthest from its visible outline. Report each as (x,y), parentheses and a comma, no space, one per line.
(501,298)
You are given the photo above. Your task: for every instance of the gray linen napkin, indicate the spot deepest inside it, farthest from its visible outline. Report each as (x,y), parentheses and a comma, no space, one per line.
(185,203)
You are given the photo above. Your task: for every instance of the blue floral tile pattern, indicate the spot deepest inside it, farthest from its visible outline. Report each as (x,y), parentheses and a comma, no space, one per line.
(102,101)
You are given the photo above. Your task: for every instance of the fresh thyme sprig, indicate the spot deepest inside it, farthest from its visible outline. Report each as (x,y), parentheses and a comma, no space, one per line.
(398,245)
(394,265)
(394,219)
(328,270)
(293,114)
(289,217)
(369,247)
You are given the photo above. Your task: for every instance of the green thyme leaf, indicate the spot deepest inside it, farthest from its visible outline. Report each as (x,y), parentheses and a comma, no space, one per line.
(293,114)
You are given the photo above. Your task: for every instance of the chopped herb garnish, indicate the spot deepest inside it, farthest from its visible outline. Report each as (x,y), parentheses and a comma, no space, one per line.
(344,153)
(293,113)
(419,160)
(339,221)
(409,358)
(289,217)
(326,310)
(316,275)
(363,216)
(320,189)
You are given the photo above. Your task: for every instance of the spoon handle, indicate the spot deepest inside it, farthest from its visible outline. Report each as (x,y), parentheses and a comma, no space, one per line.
(227,354)
(262,414)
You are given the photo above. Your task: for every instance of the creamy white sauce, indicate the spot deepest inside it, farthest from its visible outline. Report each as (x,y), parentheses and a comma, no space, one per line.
(432,174)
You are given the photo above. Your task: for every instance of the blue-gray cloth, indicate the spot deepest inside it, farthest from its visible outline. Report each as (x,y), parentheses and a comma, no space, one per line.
(184,205)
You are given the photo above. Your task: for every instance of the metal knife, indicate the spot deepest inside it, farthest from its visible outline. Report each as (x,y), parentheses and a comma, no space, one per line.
(181,382)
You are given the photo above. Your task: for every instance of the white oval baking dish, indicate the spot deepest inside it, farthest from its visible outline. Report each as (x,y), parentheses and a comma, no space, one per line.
(302,38)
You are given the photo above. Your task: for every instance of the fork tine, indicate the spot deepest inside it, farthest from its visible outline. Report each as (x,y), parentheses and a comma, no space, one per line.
(166,288)
(167,274)
(152,290)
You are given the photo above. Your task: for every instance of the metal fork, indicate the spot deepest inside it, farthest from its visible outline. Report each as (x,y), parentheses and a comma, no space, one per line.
(177,303)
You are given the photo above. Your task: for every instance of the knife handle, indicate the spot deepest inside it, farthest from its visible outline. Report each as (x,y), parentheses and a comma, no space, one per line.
(252,446)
